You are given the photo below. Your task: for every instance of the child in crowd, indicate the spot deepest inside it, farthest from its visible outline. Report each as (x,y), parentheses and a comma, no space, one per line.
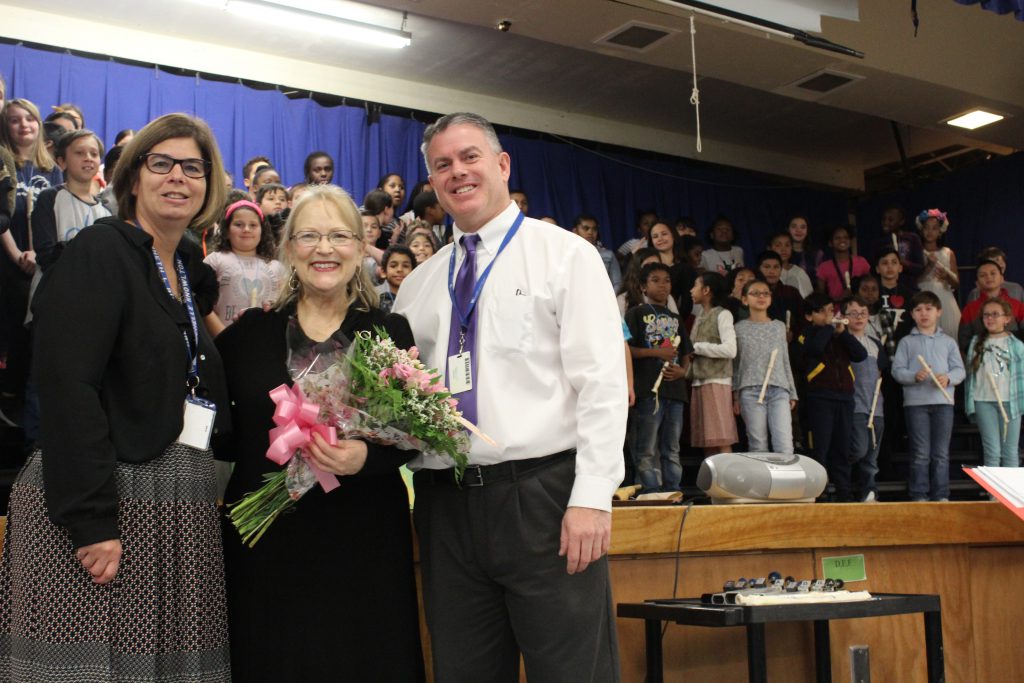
(735,281)
(631,293)
(893,294)
(786,305)
(712,426)
(658,343)
(372,254)
(250,168)
(868,402)
(792,275)
(999,256)
(247,272)
(826,351)
(693,252)
(426,208)
(267,175)
(397,262)
(879,322)
(805,254)
(940,269)
(907,245)
(995,383)
(63,211)
(380,204)
(585,226)
(422,245)
(929,412)
(274,199)
(990,281)
(756,339)
(296,191)
(835,275)
(723,256)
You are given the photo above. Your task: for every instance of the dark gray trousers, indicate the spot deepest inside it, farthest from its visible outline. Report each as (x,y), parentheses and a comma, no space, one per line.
(494,585)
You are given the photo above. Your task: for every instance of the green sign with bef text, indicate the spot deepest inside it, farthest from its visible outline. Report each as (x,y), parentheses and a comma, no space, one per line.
(846,567)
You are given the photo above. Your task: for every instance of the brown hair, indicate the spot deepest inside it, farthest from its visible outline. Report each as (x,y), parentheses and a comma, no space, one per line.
(982,337)
(360,289)
(168,127)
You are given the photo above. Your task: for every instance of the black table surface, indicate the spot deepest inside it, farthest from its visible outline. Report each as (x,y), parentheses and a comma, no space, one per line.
(692,612)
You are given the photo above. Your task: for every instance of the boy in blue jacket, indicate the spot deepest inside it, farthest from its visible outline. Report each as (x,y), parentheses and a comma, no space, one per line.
(928,411)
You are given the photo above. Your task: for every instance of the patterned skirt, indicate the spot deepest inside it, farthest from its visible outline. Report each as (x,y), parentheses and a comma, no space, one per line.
(164,616)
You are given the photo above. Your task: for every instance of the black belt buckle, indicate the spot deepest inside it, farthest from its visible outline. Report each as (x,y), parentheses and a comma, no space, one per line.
(473,475)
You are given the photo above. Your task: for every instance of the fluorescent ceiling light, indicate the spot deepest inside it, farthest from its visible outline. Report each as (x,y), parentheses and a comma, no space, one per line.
(315,22)
(975,119)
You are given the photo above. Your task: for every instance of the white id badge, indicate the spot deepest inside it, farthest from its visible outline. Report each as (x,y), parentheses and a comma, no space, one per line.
(460,372)
(198,427)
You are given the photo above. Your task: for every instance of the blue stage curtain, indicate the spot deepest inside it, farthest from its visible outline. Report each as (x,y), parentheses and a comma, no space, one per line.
(998,6)
(985,204)
(562,180)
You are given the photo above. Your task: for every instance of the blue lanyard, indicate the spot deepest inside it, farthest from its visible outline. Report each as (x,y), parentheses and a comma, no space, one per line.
(186,291)
(464,316)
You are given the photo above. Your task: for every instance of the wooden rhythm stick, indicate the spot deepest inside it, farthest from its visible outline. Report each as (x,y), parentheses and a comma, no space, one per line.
(871,416)
(999,399)
(846,276)
(767,375)
(927,368)
(253,298)
(895,243)
(661,375)
(789,315)
(840,321)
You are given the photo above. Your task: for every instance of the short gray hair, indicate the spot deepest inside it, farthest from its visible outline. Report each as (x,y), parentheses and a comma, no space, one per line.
(458,118)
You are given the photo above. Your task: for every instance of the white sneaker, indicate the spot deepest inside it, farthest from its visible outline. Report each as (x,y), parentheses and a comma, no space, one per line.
(870,498)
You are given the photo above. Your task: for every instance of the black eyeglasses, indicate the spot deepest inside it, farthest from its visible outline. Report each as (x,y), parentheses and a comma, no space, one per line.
(161,164)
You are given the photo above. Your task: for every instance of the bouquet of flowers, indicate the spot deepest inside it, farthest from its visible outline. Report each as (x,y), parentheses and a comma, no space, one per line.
(374,391)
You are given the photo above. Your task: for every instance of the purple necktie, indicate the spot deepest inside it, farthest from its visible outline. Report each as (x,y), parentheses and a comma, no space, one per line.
(464,284)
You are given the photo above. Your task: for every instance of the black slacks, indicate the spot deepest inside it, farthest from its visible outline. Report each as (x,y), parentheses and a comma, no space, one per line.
(494,585)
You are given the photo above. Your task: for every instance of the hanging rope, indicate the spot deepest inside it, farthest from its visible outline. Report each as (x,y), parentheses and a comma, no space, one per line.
(695,93)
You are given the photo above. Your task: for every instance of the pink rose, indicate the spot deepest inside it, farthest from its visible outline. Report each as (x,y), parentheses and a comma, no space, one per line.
(414,353)
(401,371)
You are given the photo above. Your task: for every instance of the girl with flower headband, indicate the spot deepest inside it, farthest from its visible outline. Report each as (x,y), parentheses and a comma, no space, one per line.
(940,269)
(247,272)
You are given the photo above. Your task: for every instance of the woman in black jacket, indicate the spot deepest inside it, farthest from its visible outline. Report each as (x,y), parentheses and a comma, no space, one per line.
(112,567)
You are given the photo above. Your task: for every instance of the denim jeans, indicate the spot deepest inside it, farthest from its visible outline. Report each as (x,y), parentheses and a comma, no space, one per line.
(656,448)
(929,429)
(999,452)
(771,416)
(864,456)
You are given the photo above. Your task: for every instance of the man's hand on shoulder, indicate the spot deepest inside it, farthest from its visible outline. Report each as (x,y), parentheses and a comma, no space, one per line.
(586,535)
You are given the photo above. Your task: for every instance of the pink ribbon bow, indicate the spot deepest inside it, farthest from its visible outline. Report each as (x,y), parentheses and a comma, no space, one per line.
(296,420)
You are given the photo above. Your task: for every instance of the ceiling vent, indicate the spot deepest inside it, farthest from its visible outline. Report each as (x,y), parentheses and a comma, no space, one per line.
(635,36)
(819,84)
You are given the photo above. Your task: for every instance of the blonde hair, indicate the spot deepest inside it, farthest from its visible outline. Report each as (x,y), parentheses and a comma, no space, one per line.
(359,289)
(38,156)
(168,127)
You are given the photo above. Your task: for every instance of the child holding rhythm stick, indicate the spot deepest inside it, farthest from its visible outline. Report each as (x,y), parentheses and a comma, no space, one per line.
(868,404)
(712,425)
(928,364)
(826,351)
(763,388)
(995,385)
(658,418)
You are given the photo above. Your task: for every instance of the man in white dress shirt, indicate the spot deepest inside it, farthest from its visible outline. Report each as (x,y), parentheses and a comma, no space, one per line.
(514,558)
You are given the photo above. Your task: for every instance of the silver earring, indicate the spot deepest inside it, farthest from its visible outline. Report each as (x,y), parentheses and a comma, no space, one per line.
(293,280)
